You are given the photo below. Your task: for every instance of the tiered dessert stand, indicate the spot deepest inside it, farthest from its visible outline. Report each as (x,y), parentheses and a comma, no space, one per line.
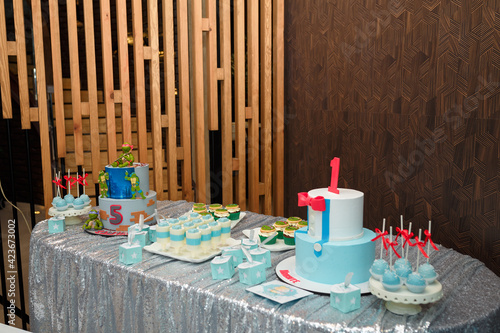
(71,215)
(403,301)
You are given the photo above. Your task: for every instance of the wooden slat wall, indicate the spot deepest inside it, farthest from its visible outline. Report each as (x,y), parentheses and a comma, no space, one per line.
(167,112)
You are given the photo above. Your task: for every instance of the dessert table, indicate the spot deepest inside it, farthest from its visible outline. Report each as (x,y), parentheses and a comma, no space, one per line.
(77,284)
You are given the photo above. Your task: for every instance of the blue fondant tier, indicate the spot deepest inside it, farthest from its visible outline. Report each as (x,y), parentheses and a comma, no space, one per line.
(335,259)
(118,214)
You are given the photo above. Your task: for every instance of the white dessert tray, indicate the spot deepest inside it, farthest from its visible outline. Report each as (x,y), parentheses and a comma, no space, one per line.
(233,222)
(403,301)
(286,272)
(278,246)
(71,215)
(155,248)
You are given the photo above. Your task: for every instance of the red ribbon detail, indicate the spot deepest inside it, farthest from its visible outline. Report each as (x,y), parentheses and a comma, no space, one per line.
(58,183)
(381,234)
(393,245)
(70,179)
(404,234)
(420,246)
(428,239)
(316,203)
(82,181)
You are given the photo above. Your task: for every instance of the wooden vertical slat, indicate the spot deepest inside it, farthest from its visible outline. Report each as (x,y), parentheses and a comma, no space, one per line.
(184,96)
(199,111)
(4,67)
(140,85)
(278,105)
(212,90)
(169,72)
(74,66)
(55,43)
(123,65)
(240,104)
(266,71)
(43,121)
(155,95)
(253,103)
(226,107)
(22,70)
(107,66)
(92,88)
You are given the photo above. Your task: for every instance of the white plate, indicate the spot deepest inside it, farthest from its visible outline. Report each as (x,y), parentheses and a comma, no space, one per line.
(278,291)
(286,272)
(155,248)
(278,246)
(233,222)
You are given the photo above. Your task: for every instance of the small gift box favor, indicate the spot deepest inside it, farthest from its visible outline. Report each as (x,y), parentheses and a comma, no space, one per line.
(152,234)
(57,224)
(222,267)
(261,255)
(130,253)
(252,272)
(345,296)
(237,255)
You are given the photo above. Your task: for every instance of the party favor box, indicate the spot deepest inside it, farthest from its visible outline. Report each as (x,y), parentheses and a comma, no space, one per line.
(252,272)
(56,224)
(130,254)
(345,299)
(262,255)
(236,253)
(222,267)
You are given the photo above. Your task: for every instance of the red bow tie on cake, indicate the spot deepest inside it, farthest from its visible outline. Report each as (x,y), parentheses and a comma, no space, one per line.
(316,203)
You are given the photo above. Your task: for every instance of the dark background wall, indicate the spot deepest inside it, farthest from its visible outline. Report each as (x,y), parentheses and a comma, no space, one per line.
(407,94)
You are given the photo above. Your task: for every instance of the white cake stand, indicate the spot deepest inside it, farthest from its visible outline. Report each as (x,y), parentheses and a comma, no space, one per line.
(71,215)
(403,301)
(286,272)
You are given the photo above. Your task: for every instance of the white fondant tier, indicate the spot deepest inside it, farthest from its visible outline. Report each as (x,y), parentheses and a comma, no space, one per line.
(118,214)
(330,262)
(343,217)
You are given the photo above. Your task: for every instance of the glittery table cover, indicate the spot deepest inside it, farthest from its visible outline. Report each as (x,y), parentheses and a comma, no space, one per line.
(77,284)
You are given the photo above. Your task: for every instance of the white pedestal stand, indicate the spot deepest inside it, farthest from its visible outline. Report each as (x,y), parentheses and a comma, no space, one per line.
(403,301)
(71,215)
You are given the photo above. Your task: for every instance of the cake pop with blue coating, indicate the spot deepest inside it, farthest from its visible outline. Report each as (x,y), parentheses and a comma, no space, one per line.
(379,266)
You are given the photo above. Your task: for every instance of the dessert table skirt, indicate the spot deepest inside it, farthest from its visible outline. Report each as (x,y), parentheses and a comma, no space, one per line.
(77,284)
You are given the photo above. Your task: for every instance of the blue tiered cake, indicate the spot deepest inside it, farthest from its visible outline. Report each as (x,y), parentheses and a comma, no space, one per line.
(335,242)
(126,202)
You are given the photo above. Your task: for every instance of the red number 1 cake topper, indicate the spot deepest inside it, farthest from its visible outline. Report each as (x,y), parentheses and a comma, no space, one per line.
(335,164)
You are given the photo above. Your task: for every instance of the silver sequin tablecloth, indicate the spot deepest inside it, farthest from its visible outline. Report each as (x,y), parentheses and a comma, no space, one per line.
(77,284)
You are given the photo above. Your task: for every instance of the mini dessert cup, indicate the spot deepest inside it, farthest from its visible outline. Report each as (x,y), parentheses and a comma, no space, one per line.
(188,225)
(174,222)
(234,211)
(194,216)
(266,231)
(221,212)
(280,227)
(198,222)
(289,234)
(207,218)
(216,232)
(225,229)
(163,234)
(177,235)
(183,219)
(193,242)
(206,238)
(294,220)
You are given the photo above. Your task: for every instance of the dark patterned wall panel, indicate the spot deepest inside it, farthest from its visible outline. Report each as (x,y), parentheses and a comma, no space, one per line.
(407,94)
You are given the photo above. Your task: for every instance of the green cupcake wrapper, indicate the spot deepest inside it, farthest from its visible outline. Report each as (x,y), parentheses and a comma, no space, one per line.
(272,241)
(280,234)
(289,240)
(234,216)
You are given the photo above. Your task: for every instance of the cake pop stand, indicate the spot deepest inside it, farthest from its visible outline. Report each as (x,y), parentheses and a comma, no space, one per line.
(403,301)
(286,272)
(71,215)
